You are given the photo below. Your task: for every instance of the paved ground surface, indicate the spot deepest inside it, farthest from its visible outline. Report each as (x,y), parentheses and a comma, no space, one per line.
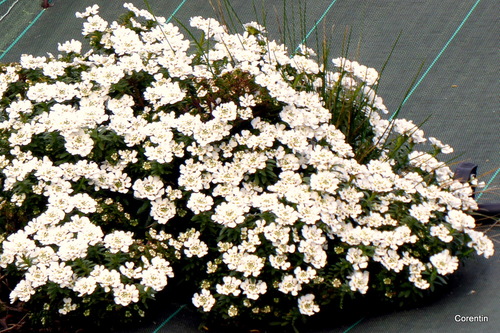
(455,42)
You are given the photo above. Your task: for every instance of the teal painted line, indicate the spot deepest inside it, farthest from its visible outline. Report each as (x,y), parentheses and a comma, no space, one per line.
(169,318)
(176,10)
(439,55)
(316,24)
(354,325)
(488,184)
(22,34)
(1,2)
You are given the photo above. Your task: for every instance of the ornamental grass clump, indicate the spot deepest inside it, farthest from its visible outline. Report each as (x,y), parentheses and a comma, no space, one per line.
(267,182)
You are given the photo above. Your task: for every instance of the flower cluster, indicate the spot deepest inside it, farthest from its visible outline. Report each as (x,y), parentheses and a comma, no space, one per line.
(271,181)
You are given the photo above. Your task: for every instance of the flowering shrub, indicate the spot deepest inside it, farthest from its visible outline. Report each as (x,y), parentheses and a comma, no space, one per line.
(270,182)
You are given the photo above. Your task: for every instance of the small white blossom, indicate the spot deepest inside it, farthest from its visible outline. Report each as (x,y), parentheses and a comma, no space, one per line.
(444,262)
(307,306)
(204,299)
(125,294)
(358,281)
(119,241)
(150,188)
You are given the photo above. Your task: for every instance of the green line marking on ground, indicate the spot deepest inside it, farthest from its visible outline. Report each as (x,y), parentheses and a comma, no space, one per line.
(316,24)
(439,55)
(488,184)
(354,325)
(176,10)
(430,67)
(169,318)
(22,34)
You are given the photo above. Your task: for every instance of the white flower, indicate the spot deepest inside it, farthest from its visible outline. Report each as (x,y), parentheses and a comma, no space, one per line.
(422,212)
(211,131)
(72,249)
(88,11)
(390,259)
(256,26)
(232,311)
(230,287)
(229,215)
(442,233)
(194,247)
(481,243)
(277,234)
(119,182)
(247,100)
(304,276)
(78,143)
(61,274)
(67,306)
(70,46)
(304,64)
(313,234)
(85,286)
(164,92)
(43,256)
(289,285)
(408,128)
(279,261)
(30,62)
(209,26)
(420,283)
(325,181)
(84,203)
(359,281)
(199,202)
(130,271)
(313,253)
(106,278)
(250,265)
(126,294)
(37,275)
(225,111)
(125,40)
(53,69)
(118,241)
(445,149)
(444,262)
(104,75)
(150,188)
(369,75)
(86,231)
(286,215)
(204,299)
(460,220)
(253,289)
(23,292)
(356,258)
(162,210)
(307,306)
(154,278)
(94,23)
